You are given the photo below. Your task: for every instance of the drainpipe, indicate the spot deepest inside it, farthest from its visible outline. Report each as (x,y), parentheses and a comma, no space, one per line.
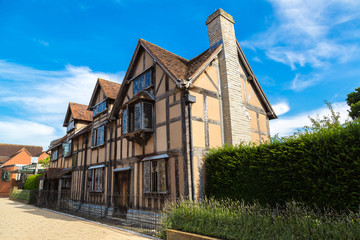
(108,185)
(189,99)
(84,171)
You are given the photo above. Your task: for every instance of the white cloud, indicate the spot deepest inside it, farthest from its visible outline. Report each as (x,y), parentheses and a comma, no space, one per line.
(288,125)
(306,32)
(41,98)
(281,108)
(26,132)
(49,92)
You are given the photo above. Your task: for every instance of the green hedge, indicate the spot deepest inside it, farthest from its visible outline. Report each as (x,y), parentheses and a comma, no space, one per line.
(321,168)
(236,220)
(32,182)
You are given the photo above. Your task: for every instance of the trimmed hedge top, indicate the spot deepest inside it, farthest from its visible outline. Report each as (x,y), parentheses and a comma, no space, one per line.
(321,168)
(32,182)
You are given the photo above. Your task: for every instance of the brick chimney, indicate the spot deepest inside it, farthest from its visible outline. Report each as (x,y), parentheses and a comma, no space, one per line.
(235,116)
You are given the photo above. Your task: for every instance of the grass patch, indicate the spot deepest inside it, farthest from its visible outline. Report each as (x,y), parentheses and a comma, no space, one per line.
(21,195)
(228,219)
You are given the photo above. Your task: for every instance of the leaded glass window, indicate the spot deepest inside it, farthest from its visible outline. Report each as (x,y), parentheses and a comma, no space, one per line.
(70,126)
(54,155)
(125,121)
(142,82)
(97,137)
(137,117)
(155,176)
(147,115)
(67,148)
(99,108)
(147,181)
(96,179)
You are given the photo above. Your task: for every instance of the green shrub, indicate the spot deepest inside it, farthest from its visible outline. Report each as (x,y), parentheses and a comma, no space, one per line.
(32,182)
(228,219)
(320,168)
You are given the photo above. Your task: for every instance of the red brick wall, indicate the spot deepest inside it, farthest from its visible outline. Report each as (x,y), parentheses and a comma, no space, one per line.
(21,158)
(5,186)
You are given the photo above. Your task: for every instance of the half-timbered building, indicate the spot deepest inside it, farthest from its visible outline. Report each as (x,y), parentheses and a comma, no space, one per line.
(147,137)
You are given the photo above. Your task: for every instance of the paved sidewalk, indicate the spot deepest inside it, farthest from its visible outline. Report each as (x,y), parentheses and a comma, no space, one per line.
(21,221)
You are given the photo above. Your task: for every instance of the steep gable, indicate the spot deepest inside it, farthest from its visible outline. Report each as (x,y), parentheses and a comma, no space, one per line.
(77,112)
(179,69)
(108,88)
(255,84)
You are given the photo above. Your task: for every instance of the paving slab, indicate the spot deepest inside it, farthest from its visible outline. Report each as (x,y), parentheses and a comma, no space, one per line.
(22,221)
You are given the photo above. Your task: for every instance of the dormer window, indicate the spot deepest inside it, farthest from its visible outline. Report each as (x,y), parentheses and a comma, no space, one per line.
(142,82)
(99,108)
(70,126)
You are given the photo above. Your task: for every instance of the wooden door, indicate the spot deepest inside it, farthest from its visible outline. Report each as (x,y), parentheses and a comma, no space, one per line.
(122,185)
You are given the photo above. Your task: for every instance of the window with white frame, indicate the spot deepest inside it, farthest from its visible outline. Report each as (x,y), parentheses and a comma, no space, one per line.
(142,82)
(97,136)
(96,179)
(54,155)
(155,176)
(138,116)
(99,108)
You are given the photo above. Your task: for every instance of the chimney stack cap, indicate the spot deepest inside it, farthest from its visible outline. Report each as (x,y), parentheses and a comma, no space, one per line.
(218,13)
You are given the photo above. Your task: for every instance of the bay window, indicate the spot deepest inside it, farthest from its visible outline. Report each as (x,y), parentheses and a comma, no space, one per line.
(138,116)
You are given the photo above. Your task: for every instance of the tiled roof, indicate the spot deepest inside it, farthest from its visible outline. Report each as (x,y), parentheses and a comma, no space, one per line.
(81,112)
(56,142)
(110,88)
(3,159)
(180,67)
(7,150)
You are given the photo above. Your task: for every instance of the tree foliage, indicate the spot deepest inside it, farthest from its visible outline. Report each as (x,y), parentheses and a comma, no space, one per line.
(45,162)
(353,100)
(326,121)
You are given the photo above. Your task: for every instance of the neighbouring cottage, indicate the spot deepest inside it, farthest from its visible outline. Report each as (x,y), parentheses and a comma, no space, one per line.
(12,159)
(143,141)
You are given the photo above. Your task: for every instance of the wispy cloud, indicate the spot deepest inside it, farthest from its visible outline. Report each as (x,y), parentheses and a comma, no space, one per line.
(42,96)
(42,42)
(281,107)
(300,82)
(285,126)
(309,32)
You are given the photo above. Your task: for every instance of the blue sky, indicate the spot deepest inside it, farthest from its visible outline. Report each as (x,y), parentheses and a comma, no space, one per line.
(52,52)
